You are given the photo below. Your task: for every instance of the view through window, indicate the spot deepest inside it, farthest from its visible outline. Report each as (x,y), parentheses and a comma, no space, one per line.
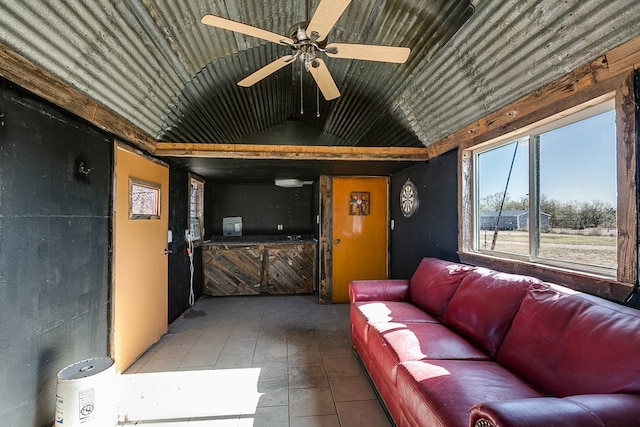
(551,195)
(144,200)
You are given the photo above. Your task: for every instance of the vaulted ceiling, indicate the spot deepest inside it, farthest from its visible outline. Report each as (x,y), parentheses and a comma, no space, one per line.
(153,64)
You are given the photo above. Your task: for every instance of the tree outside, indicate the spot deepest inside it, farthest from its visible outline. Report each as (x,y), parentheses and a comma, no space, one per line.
(581,232)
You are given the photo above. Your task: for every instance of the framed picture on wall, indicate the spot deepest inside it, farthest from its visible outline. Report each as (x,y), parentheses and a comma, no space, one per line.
(359,203)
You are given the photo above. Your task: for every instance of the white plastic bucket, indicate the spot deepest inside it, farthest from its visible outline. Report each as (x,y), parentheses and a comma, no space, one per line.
(86,394)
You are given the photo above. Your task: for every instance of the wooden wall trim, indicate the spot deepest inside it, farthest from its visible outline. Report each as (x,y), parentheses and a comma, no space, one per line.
(626,181)
(600,286)
(325,248)
(26,74)
(600,76)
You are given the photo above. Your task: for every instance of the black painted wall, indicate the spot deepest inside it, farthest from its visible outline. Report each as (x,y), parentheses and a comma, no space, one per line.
(54,252)
(433,229)
(179,263)
(262,207)
(55,237)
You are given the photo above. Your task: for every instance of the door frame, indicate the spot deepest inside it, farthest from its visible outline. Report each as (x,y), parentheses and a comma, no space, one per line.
(325,240)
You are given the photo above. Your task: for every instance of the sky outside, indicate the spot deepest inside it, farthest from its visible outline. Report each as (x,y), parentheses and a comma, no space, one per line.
(577,163)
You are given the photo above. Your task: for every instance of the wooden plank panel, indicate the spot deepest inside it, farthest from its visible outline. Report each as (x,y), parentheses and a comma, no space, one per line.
(626,167)
(624,57)
(291,269)
(232,271)
(325,266)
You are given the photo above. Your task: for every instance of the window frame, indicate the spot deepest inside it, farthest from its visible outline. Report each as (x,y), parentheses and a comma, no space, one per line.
(621,89)
(529,137)
(200,208)
(153,186)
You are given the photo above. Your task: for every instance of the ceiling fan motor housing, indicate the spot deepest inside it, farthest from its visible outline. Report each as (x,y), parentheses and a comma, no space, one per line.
(306,46)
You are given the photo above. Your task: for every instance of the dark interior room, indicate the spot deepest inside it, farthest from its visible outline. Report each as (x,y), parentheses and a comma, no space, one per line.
(207,193)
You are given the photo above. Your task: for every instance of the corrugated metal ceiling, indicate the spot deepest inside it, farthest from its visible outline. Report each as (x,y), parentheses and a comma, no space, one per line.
(155,64)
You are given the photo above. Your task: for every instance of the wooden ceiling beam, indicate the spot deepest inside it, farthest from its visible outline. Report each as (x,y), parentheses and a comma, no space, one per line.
(26,74)
(290,152)
(29,76)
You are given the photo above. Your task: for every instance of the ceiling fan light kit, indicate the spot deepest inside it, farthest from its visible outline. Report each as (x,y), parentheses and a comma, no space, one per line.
(308,40)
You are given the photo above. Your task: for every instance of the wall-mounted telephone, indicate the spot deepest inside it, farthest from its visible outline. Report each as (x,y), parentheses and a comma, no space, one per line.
(193,233)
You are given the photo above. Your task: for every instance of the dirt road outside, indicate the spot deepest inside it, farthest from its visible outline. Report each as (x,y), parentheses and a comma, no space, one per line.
(592,246)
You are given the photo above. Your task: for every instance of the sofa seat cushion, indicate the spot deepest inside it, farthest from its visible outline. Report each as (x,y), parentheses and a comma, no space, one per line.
(391,343)
(485,304)
(365,313)
(419,341)
(434,283)
(442,392)
(568,343)
(392,311)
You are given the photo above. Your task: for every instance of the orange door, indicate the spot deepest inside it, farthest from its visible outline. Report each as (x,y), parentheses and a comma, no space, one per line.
(359,224)
(140,297)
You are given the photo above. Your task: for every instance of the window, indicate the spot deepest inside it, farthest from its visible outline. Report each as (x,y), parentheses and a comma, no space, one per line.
(550,195)
(144,199)
(196,208)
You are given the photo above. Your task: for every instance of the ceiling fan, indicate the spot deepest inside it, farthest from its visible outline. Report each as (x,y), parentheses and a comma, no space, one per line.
(308,40)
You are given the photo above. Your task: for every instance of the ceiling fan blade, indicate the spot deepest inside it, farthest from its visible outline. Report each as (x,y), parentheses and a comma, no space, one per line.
(238,27)
(365,52)
(325,17)
(265,71)
(323,79)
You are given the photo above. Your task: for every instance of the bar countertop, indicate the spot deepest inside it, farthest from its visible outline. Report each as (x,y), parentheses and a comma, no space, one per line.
(258,240)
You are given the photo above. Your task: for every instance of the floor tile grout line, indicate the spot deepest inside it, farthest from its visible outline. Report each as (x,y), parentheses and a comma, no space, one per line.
(326,325)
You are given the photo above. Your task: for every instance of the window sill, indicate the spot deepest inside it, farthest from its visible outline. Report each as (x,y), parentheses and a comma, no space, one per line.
(589,283)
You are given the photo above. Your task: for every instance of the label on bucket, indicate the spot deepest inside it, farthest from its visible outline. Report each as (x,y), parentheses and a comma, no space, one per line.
(87,403)
(59,412)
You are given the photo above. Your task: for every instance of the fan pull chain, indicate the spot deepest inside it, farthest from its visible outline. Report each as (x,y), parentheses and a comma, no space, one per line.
(317,101)
(301,94)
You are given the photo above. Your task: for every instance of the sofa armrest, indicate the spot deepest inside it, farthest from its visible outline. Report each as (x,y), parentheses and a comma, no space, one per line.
(595,410)
(378,290)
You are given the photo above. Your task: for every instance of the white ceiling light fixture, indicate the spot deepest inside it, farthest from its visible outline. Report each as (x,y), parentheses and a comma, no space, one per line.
(291,183)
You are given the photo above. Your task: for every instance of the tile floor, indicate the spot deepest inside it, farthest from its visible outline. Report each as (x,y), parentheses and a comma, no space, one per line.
(252,361)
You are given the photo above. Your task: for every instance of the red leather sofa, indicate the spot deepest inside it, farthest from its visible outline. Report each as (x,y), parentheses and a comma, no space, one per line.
(462,346)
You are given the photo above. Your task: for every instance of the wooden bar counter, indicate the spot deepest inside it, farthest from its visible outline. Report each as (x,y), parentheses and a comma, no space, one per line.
(253,265)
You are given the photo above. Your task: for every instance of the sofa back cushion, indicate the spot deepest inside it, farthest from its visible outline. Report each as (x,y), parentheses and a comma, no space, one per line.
(569,343)
(484,305)
(433,284)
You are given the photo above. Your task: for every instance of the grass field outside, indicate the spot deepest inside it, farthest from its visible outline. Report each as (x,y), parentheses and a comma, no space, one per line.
(590,246)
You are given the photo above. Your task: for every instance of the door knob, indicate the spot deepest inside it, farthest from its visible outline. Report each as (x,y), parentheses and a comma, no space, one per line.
(167,251)
(336,241)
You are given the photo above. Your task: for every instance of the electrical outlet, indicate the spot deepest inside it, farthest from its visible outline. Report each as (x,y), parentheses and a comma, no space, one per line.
(280,227)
